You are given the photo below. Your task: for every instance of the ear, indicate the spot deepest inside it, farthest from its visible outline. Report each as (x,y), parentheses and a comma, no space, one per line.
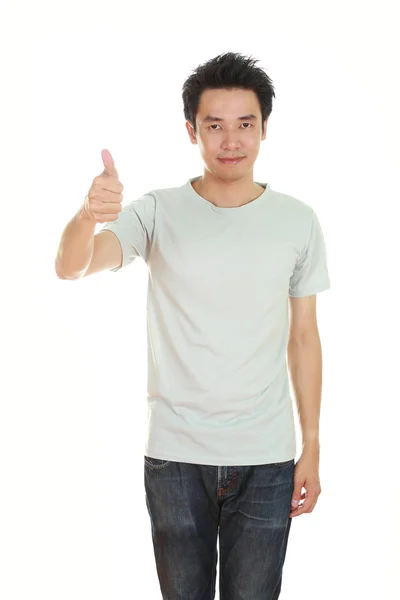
(191,132)
(264,135)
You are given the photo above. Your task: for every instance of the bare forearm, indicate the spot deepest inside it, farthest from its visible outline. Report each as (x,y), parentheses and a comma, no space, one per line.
(76,247)
(305,369)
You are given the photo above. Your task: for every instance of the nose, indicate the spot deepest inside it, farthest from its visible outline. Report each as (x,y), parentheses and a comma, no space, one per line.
(230,142)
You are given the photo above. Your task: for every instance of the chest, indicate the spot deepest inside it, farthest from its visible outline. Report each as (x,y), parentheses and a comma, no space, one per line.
(237,258)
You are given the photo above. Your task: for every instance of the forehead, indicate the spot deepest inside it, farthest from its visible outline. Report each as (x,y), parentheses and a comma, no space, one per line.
(228,103)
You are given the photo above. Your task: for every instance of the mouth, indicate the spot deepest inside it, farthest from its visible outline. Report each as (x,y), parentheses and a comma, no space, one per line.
(231,161)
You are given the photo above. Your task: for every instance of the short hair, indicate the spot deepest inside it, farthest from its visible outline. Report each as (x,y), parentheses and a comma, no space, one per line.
(227,71)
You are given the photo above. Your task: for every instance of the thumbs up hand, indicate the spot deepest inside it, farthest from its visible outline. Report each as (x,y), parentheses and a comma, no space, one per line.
(103,201)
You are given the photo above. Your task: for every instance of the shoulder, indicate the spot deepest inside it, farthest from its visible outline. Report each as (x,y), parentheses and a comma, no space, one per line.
(295,215)
(292,204)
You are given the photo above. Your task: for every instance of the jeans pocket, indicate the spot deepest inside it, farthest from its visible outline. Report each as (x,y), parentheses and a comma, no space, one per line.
(283,464)
(156,463)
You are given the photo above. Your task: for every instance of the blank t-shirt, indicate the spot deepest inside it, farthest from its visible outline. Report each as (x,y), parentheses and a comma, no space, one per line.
(218,319)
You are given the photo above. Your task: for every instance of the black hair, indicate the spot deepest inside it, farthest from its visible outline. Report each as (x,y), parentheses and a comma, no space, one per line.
(227,71)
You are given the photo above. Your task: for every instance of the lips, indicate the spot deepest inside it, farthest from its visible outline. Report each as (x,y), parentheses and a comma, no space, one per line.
(231,161)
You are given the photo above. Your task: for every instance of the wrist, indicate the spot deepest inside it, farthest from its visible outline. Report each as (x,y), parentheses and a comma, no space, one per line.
(311,443)
(83,215)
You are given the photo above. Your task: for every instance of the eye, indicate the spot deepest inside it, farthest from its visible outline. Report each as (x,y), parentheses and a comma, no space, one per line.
(216,125)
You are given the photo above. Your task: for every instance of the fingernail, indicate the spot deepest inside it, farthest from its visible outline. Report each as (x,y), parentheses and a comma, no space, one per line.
(295,502)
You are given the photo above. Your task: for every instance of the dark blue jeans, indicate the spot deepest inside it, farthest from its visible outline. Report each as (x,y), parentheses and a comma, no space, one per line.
(247,506)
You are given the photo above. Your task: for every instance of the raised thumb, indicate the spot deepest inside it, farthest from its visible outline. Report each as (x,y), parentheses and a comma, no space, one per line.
(108,162)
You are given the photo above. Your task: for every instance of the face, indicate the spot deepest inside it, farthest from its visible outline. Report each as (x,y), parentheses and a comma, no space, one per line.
(230,136)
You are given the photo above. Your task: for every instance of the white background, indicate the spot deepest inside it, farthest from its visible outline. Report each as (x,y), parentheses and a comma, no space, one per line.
(77,77)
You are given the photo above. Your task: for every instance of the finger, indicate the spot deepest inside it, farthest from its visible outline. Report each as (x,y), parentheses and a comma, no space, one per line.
(307,506)
(99,205)
(108,162)
(296,497)
(296,511)
(98,189)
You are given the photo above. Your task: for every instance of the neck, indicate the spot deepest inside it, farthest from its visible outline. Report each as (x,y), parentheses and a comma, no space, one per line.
(225,193)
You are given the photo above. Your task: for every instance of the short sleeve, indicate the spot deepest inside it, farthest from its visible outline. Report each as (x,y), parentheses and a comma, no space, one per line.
(310,274)
(134,229)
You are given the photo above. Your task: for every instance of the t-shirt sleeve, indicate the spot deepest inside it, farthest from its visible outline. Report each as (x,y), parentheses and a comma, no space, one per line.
(134,229)
(310,274)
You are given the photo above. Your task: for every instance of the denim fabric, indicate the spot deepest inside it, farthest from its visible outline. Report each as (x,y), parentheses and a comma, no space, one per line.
(248,507)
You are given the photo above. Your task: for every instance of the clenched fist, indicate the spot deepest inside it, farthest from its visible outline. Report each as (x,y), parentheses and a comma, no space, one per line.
(103,202)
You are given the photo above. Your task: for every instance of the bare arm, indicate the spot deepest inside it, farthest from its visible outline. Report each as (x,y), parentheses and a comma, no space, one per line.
(76,247)
(305,368)
(304,354)
(81,253)
(107,253)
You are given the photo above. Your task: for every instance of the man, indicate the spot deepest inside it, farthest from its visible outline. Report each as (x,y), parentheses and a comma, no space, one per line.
(228,258)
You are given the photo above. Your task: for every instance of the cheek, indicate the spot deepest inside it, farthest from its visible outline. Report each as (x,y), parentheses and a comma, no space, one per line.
(253,142)
(211,150)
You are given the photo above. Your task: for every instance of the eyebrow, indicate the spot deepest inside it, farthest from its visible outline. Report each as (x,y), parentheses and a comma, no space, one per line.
(250,117)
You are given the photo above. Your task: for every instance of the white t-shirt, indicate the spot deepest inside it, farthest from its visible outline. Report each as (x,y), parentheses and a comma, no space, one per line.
(218,319)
